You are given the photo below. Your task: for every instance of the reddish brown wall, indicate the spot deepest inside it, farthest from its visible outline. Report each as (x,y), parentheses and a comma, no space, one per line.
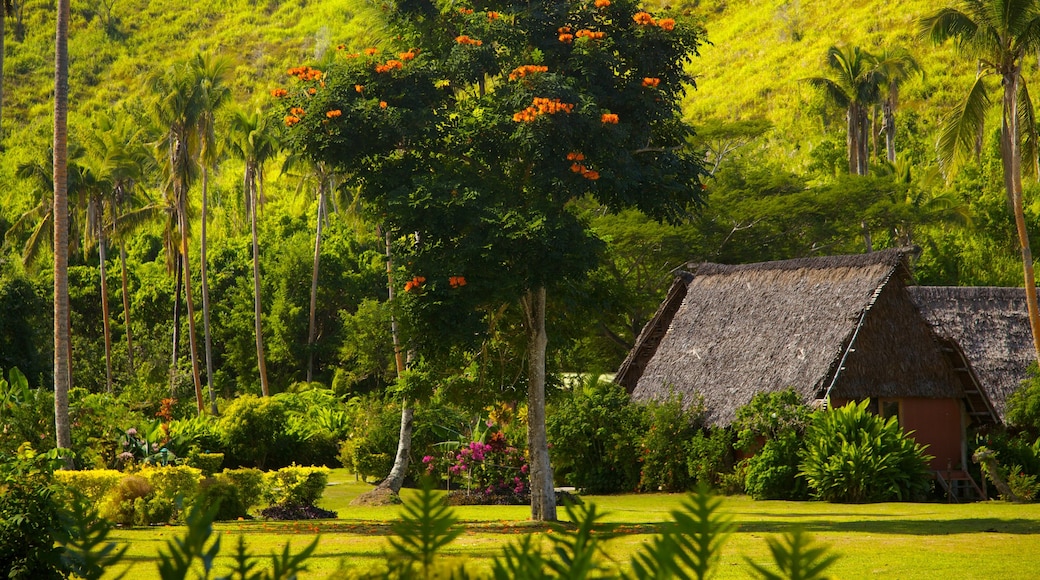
(936,423)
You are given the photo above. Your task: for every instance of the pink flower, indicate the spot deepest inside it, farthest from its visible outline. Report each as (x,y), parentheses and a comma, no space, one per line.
(427,458)
(523,469)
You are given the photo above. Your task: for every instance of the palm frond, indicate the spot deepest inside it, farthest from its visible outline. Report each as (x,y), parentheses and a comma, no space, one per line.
(949,23)
(958,133)
(831,90)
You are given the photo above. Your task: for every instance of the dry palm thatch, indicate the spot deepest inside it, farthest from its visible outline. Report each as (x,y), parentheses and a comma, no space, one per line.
(991,327)
(726,333)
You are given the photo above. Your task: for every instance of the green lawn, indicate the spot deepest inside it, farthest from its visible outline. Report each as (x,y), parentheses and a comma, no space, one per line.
(892,540)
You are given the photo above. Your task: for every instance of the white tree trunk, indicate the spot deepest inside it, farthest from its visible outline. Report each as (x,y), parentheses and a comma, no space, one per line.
(312,330)
(543,494)
(62,340)
(204,280)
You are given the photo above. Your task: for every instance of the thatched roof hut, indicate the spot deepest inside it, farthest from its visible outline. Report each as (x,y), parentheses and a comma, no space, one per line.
(991,328)
(841,326)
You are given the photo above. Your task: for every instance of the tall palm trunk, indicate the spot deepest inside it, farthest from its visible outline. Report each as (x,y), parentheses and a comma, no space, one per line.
(312,329)
(543,494)
(257,301)
(889,127)
(189,302)
(126,308)
(3,21)
(205,290)
(1013,181)
(178,284)
(62,341)
(105,309)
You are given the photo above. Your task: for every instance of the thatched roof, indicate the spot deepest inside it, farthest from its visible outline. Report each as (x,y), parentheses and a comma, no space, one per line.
(991,327)
(729,332)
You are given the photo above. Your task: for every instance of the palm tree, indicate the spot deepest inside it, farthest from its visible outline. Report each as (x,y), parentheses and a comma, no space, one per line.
(177,111)
(896,66)
(210,76)
(253,141)
(62,374)
(996,34)
(6,9)
(97,197)
(855,87)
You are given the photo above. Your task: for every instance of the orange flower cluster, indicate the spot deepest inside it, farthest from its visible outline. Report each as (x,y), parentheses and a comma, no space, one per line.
(467,40)
(602,3)
(371,51)
(297,111)
(609,119)
(456,281)
(577,167)
(651,81)
(389,66)
(565,34)
(644,19)
(383,105)
(408,55)
(312,91)
(414,284)
(279,93)
(493,15)
(465,11)
(359,88)
(291,120)
(593,35)
(352,55)
(305,73)
(527,69)
(334,113)
(542,106)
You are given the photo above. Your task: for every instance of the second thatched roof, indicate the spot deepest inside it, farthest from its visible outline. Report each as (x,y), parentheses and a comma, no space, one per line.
(991,327)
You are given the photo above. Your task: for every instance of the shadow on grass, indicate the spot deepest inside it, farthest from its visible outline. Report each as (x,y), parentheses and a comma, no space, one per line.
(902,527)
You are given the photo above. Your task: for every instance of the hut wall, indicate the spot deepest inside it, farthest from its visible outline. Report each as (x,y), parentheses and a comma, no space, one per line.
(937,424)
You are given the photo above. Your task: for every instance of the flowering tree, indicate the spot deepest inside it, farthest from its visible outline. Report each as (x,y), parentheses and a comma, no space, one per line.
(474,139)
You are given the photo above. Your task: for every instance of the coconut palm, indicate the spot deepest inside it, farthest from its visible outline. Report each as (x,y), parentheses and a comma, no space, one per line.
(896,66)
(855,86)
(62,341)
(253,140)
(211,75)
(177,110)
(997,35)
(6,9)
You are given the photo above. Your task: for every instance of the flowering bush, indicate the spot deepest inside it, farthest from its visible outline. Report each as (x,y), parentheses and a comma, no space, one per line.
(488,466)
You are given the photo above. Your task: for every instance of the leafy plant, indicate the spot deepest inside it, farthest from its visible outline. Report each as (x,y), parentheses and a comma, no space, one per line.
(855,456)
(29,514)
(665,463)
(796,557)
(426,526)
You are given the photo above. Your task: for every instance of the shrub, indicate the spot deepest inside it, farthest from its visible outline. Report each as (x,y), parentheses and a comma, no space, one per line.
(492,470)
(126,502)
(252,429)
(177,483)
(772,473)
(296,486)
(1022,484)
(595,433)
(370,449)
(709,455)
(92,485)
(207,463)
(249,483)
(854,456)
(664,449)
(212,490)
(28,516)
(770,416)
(1023,405)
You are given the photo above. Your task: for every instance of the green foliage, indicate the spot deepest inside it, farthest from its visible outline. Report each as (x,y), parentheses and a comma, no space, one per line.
(595,432)
(666,465)
(231,500)
(29,514)
(87,553)
(194,548)
(690,546)
(854,456)
(248,482)
(1022,484)
(252,430)
(426,526)
(176,483)
(91,486)
(796,557)
(369,448)
(27,414)
(772,427)
(295,486)
(709,455)
(207,463)
(1023,405)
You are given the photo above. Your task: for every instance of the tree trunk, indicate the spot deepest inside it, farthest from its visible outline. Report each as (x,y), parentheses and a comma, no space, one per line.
(189,302)
(890,130)
(852,138)
(105,310)
(126,308)
(178,284)
(1012,158)
(312,330)
(257,301)
(62,374)
(204,280)
(543,494)
(3,22)
(395,480)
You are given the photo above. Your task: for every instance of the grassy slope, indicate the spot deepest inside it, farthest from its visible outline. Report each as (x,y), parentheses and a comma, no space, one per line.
(893,540)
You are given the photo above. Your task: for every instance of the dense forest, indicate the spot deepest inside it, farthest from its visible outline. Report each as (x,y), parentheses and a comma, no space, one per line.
(784,177)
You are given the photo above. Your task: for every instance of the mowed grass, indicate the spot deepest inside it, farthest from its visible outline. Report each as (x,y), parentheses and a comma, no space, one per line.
(890,540)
